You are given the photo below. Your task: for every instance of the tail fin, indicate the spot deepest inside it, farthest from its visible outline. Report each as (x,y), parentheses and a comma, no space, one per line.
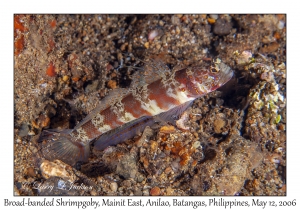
(60,145)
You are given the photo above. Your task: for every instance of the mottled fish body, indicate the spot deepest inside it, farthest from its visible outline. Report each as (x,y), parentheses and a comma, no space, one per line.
(156,94)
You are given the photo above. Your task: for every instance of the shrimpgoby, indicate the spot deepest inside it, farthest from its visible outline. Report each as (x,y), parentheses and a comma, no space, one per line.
(156,94)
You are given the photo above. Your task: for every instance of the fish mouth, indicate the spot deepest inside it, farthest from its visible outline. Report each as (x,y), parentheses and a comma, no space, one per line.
(226,74)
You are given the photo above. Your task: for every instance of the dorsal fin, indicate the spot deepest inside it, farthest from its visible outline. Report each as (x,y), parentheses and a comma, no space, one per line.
(113,97)
(150,73)
(154,69)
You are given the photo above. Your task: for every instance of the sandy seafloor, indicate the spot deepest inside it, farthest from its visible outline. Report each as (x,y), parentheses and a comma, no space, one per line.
(236,145)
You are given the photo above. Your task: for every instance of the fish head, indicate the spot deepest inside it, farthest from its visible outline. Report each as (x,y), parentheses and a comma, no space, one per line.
(201,81)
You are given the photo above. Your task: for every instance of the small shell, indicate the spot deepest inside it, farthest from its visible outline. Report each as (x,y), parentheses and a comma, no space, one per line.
(180,123)
(152,34)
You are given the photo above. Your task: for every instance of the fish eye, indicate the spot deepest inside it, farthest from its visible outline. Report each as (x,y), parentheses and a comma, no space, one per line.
(182,89)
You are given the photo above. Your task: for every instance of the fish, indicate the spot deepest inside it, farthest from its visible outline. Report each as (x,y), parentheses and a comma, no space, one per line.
(156,94)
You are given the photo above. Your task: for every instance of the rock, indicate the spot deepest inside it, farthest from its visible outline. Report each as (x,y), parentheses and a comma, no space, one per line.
(211,20)
(155,191)
(169,191)
(219,123)
(94,193)
(222,27)
(146,192)
(242,158)
(214,16)
(30,172)
(23,130)
(92,87)
(113,186)
(244,58)
(16,191)
(138,192)
(140,178)
(167,129)
(267,76)
(145,136)
(112,84)
(270,48)
(127,167)
(57,168)
(127,183)
(66,78)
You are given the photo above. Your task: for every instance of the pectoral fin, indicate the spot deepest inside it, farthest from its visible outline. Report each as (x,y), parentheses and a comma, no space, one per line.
(123,132)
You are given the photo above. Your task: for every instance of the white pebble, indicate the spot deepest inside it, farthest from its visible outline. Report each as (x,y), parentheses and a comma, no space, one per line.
(214,16)
(205,50)
(196,144)
(280,25)
(114,186)
(146,192)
